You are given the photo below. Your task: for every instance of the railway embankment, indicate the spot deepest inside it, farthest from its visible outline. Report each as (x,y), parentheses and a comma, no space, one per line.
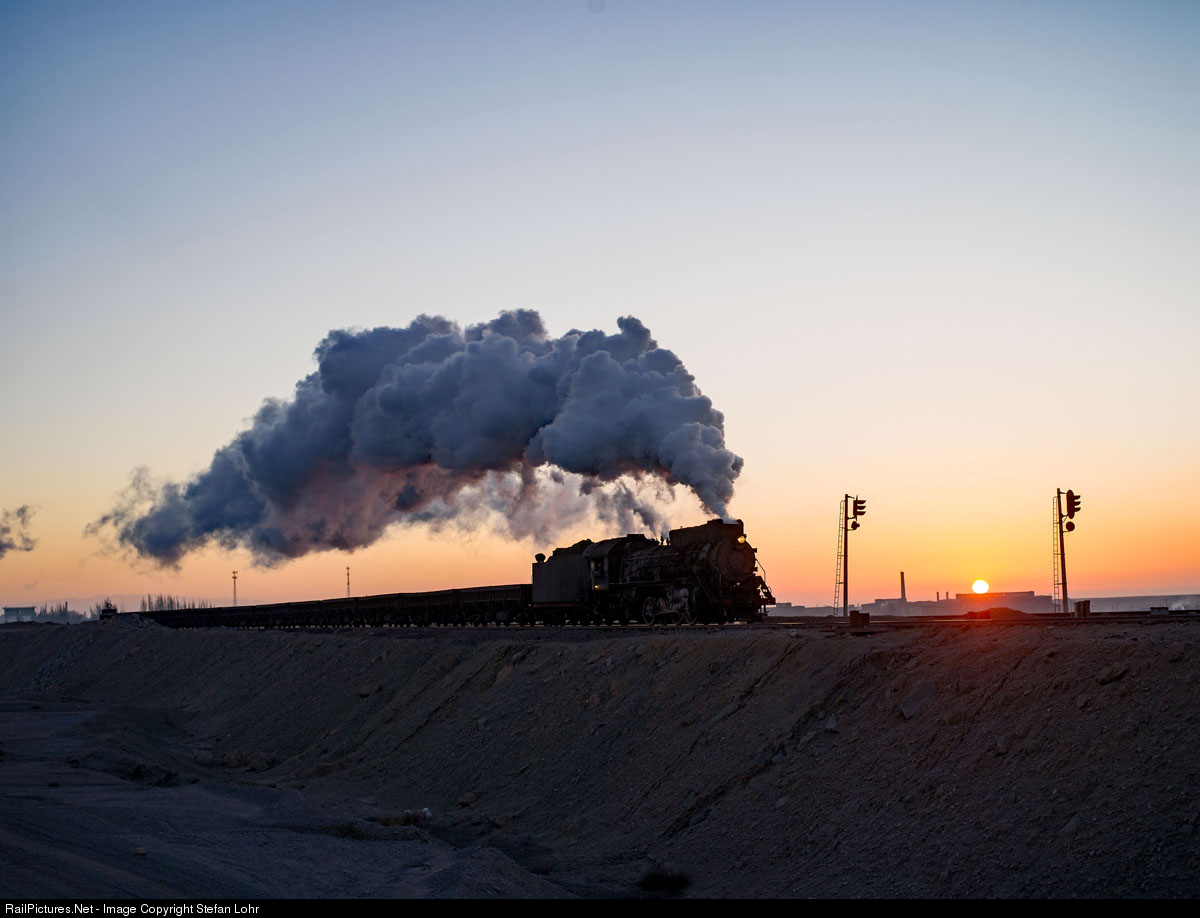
(1016,760)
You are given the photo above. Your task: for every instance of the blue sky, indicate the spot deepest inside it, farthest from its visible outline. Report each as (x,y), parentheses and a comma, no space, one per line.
(944,252)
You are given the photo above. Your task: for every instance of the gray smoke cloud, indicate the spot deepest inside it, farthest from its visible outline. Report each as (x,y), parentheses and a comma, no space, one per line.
(434,424)
(14,530)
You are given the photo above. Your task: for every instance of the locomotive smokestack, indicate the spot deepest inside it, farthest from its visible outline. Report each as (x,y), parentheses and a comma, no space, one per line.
(434,423)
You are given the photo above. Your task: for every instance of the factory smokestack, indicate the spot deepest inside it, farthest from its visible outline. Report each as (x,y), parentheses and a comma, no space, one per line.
(903,595)
(498,423)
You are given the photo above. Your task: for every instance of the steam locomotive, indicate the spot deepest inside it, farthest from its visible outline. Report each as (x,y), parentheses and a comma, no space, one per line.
(703,573)
(707,573)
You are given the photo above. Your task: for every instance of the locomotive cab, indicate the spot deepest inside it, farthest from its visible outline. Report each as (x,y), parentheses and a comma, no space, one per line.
(599,573)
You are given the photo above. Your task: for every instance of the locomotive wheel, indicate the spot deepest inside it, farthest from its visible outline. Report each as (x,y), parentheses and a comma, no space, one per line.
(649,610)
(686,617)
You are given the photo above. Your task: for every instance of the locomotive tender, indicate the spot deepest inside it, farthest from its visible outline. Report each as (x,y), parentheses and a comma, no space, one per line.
(707,573)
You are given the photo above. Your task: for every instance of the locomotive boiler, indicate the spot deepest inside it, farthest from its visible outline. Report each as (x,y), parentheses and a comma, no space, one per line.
(706,573)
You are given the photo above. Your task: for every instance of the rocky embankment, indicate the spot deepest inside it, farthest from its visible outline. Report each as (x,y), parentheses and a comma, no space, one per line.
(988,760)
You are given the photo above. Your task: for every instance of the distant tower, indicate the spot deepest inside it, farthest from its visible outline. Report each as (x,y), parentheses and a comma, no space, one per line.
(903,595)
(235,588)
(347,581)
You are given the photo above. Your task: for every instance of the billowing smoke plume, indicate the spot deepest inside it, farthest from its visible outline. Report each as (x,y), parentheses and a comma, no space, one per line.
(14,530)
(430,424)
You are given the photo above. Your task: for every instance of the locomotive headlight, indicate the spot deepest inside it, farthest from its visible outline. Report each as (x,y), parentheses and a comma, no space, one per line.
(741,540)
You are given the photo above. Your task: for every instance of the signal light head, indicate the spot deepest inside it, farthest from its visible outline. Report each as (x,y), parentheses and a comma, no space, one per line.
(860,507)
(1070,527)
(1072,504)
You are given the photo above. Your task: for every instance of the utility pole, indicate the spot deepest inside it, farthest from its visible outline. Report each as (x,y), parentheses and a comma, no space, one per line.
(235,588)
(347,581)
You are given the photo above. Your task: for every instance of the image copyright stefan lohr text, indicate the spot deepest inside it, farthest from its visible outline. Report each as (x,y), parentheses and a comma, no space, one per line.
(145,908)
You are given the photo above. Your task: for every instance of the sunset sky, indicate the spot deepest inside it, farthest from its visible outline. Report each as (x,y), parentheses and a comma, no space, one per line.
(943,256)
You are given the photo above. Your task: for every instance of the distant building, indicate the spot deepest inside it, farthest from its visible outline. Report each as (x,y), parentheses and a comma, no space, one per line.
(1026,601)
(1023,601)
(787,610)
(1177,602)
(19,613)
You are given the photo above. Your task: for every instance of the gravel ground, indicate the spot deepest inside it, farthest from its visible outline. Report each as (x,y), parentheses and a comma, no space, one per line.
(1014,760)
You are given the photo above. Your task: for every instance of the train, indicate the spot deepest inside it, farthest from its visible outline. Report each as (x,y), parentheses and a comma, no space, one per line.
(699,574)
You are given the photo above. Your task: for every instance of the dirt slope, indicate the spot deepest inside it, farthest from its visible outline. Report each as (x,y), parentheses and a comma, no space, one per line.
(1006,760)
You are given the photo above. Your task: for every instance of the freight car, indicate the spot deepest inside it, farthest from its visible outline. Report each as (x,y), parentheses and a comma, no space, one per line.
(474,606)
(706,573)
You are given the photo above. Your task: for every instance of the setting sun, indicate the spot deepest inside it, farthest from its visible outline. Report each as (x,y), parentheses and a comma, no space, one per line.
(980,586)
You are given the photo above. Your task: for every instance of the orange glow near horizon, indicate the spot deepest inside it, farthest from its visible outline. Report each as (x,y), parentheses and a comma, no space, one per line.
(1115,553)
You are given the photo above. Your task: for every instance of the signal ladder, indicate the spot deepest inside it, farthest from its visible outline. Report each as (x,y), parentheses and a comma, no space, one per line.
(841,557)
(1054,534)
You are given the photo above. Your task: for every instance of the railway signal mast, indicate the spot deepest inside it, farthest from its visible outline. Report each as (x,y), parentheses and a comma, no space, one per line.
(1060,527)
(852,508)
